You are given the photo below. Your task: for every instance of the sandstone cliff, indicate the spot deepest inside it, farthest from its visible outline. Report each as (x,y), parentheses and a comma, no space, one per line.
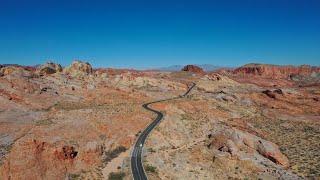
(275,71)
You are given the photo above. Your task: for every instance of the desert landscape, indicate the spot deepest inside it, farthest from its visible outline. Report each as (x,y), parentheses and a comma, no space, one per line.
(159,90)
(256,121)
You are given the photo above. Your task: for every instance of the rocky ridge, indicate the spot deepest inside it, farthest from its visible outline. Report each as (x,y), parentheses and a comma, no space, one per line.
(274,71)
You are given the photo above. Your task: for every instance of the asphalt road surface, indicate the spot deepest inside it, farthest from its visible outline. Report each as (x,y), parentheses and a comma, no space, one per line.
(136,163)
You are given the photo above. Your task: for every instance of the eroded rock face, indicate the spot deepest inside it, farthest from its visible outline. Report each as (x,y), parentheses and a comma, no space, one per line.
(131,79)
(273,93)
(1,74)
(66,152)
(49,68)
(239,144)
(269,93)
(15,71)
(274,71)
(1,66)
(272,152)
(212,77)
(192,68)
(48,132)
(78,68)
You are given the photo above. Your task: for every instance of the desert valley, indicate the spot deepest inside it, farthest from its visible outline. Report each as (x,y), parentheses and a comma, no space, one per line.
(256,121)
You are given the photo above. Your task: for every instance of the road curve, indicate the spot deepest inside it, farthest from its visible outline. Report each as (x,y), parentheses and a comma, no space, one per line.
(136,163)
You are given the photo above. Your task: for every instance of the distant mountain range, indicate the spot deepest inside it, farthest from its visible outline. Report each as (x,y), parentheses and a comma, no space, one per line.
(205,67)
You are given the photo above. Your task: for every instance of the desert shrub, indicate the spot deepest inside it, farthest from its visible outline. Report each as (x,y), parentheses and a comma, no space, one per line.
(150,168)
(151,150)
(44,122)
(103,137)
(308,129)
(186,117)
(73,176)
(116,176)
(4,149)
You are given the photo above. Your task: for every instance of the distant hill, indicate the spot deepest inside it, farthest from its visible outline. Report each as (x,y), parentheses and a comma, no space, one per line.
(205,67)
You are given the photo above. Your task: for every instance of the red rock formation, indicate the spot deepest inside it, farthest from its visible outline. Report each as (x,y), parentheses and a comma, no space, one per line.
(234,141)
(67,152)
(272,152)
(274,71)
(192,68)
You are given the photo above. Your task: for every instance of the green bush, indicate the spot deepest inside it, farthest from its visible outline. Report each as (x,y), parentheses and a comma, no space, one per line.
(150,168)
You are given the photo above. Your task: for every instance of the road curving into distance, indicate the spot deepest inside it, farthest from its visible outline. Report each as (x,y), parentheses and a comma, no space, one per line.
(136,162)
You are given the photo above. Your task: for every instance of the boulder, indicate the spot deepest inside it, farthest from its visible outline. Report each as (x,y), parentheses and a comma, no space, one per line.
(49,68)
(78,68)
(272,152)
(273,94)
(239,144)
(192,68)
(218,141)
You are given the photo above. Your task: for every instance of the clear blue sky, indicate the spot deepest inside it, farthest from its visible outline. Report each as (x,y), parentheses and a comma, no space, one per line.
(156,33)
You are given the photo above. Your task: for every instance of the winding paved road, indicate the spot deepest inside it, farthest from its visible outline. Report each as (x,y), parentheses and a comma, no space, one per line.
(136,163)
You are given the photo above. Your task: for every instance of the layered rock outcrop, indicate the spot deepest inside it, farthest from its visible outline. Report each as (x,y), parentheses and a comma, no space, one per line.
(78,68)
(242,144)
(212,77)
(49,68)
(273,94)
(14,70)
(1,74)
(274,71)
(192,68)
